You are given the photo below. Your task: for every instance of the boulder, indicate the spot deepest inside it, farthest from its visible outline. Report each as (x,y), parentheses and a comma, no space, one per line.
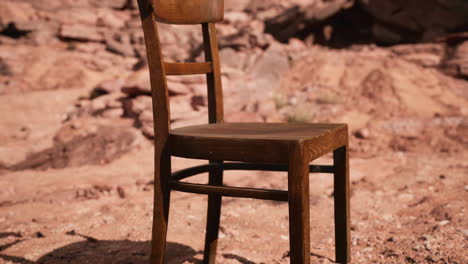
(119,44)
(45,68)
(138,105)
(80,32)
(20,15)
(268,71)
(455,61)
(138,83)
(81,142)
(107,87)
(426,55)
(232,59)
(416,20)
(300,19)
(111,19)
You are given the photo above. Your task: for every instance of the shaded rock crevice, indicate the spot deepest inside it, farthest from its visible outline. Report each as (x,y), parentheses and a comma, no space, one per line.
(343,23)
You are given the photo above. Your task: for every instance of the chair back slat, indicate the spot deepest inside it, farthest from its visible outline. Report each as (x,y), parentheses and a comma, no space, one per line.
(188,11)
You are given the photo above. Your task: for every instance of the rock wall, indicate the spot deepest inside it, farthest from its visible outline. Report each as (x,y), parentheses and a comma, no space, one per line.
(274,68)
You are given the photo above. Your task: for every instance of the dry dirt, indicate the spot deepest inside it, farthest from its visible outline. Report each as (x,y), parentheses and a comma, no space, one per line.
(76,152)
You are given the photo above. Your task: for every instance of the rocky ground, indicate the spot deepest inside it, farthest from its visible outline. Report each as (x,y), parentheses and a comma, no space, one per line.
(76,128)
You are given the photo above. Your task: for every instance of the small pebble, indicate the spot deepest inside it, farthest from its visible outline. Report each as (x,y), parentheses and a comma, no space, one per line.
(427,238)
(362,133)
(121,192)
(367,249)
(444,222)
(417,248)
(464,232)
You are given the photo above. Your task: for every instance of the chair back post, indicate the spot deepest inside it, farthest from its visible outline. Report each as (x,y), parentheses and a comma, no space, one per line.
(213,79)
(184,12)
(159,91)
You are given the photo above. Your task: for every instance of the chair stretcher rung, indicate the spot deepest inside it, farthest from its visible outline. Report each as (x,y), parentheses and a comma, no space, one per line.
(187,68)
(185,173)
(275,195)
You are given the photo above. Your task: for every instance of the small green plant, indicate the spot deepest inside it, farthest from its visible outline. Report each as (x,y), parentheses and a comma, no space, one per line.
(300,116)
(280,101)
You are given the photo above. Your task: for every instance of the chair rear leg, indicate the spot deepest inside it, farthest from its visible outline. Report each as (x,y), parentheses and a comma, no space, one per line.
(161,207)
(298,192)
(342,213)
(213,217)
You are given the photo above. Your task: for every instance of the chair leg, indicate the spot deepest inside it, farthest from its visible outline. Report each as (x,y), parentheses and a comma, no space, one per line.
(213,217)
(341,196)
(298,191)
(161,207)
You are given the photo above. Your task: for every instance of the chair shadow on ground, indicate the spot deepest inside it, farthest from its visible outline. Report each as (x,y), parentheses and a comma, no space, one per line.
(113,252)
(107,252)
(92,250)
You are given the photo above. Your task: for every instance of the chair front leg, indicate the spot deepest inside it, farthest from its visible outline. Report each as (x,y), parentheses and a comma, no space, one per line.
(162,173)
(341,196)
(213,217)
(298,194)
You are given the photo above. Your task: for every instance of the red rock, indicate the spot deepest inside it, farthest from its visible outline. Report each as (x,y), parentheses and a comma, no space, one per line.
(111,19)
(138,83)
(80,32)
(456,60)
(430,19)
(119,44)
(362,133)
(198,101)
(113,113)
(243,116)
(139,105)
(269,70)
(109,86)
(237,5)
(178,88)
(20,14)
(83,141)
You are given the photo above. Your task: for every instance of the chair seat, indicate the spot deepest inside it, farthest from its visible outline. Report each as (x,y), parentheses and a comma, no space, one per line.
(255,142)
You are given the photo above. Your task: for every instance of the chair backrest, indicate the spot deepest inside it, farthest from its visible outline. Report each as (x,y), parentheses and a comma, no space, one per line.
(189,11)
(204,12)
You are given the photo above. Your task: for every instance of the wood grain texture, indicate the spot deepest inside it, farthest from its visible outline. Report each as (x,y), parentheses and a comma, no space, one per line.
(161,205)
(213,79)
(188,11)
(188,172)
(213,216)
(268,146)
(187,68)
(252,142)
(240,192)
(298,189)
(342,209)
(161,114)
(318,146)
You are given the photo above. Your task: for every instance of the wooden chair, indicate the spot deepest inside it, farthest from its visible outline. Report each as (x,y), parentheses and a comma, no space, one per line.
(254,146)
